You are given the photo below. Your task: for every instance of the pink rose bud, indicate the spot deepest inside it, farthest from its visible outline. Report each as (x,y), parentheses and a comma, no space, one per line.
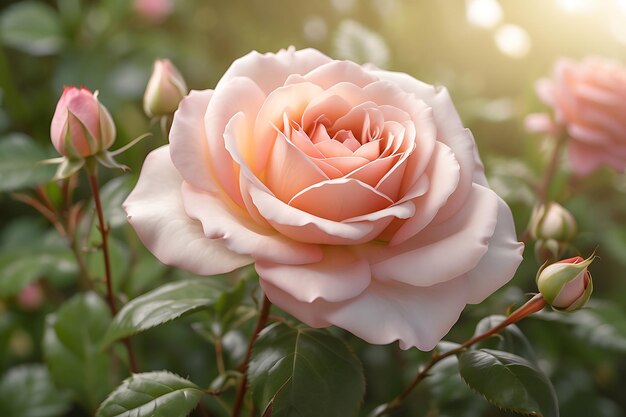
(81,125)
(165,89)
(31,297)
(155,11)
(552,221)
(566,285)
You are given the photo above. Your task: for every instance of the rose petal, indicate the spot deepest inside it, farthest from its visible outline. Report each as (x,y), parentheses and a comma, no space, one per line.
(156,211)
(286,102)
(270,70)
(289,170)
(240,234)
(239,95)
(385,312)
(335,72)
(340,199)
(443,251)
(188,142)
(338,277)
(443,175)
(498,265)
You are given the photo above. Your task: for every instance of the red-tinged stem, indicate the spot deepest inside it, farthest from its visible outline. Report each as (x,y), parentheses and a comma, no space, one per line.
(104,232)
(533,305)
(243,384)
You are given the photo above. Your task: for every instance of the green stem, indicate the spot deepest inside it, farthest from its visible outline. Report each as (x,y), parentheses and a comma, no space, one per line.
(243,384)
(533,305)
(543,190)
(92,172)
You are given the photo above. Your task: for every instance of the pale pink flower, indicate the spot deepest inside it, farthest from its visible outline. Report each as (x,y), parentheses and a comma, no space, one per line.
(357,192)
(588,99)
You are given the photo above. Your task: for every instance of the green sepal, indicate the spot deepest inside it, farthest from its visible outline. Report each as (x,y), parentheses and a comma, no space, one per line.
(552,286)
(106,159)
(68,167)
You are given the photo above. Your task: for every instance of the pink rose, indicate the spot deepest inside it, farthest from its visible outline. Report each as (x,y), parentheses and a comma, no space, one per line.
(155,11)
(357,192)
(589,103)
(81,126)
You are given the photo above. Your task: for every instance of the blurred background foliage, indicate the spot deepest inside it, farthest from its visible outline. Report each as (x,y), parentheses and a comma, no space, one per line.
(488,53)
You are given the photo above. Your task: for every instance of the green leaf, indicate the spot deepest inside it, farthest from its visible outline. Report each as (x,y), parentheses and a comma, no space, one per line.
(509,382)
(30,252)
(510,339)
(19,163)
(152,394)
(27,391)
(299,371)
(32,27)
(161,305)
(71,346)
(602,324)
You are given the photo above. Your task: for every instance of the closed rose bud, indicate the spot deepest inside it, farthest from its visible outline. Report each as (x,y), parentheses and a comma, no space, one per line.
(165,90)
(555,223)
(81,125)
(30,297)
(567,284)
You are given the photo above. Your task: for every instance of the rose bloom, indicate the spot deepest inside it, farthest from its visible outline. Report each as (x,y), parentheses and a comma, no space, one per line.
(357,192)
(589,103)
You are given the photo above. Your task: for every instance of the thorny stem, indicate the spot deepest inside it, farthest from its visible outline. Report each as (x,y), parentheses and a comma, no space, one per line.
(533,305)
(243,384)
(104,232)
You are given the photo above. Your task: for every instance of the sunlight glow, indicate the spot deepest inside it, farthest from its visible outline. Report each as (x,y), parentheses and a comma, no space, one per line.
(575,6)
(483,13)
(512,40)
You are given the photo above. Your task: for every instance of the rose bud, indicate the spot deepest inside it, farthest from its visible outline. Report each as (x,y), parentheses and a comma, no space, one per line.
(566,285)
(81,125)
(154,11)
(30,297)
(553,222)
(165,89)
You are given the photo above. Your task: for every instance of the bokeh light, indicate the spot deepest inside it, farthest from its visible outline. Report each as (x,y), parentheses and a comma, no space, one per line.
(483,13)
(513,40)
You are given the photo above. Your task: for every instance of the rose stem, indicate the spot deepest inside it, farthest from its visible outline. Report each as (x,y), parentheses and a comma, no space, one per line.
(533,305)
(243,384)
(92,174)
(544,187)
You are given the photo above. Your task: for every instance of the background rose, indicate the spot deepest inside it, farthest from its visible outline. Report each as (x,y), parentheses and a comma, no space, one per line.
(357,192)
(589,102)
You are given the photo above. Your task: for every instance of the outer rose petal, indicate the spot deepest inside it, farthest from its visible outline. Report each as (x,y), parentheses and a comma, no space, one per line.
(500,262)
(240,234)
(340,276)
(156,211)
(433,255)
(385,312)
(270,71)
(188,142)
